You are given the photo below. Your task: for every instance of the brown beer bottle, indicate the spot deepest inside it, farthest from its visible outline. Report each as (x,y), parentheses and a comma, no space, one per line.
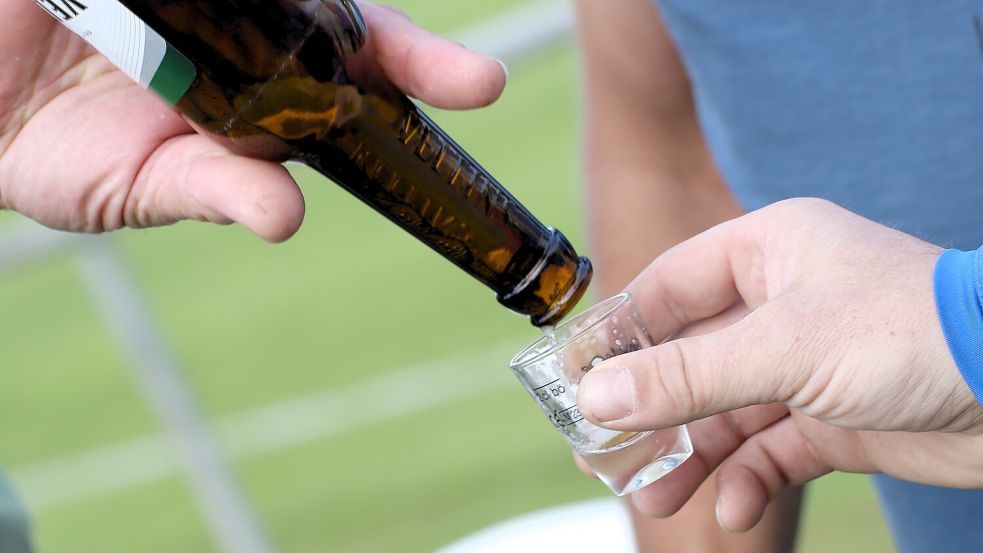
(287,80)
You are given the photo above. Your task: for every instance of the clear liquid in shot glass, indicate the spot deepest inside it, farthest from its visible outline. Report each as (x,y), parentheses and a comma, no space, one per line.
(630,460)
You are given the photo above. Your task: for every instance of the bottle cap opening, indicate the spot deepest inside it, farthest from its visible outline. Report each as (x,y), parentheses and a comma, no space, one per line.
(554,286)
(575,290)
(357,31)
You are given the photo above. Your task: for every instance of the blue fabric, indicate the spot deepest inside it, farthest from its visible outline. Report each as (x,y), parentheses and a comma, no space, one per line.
(926,519)
(15,531)
(959,302)
(876,105)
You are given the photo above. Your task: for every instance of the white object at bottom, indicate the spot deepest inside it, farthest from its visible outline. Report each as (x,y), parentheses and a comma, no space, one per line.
(600,525)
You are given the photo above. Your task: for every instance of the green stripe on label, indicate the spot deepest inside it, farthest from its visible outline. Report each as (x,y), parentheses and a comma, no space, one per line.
(174,77)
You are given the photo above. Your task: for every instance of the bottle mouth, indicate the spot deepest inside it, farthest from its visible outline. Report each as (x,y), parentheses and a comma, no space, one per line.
(554,286)
(575,290)
(356,33)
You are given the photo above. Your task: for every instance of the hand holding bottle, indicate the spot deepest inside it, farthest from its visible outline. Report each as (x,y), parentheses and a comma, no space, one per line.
(83,148)
(840,363)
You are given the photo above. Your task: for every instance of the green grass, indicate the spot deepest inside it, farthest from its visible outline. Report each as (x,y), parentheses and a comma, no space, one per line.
(156,517)
(475,474)
(841,514)
(444,17)
(64,387)
(350,297)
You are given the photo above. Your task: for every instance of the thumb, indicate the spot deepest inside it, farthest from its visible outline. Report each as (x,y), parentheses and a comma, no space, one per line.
(751,362)
(192,177)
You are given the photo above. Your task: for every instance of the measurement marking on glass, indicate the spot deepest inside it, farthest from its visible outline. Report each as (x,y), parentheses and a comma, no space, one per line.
(573,418)
(563,418)
(549,392)
(573,422)
(545,385)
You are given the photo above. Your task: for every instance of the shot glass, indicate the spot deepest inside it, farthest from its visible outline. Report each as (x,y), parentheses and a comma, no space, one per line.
(551,368)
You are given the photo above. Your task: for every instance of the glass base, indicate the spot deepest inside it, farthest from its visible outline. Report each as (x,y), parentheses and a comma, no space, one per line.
(629,469)
(653,472)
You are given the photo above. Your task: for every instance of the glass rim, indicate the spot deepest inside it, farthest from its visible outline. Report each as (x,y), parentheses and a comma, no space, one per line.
(528,356)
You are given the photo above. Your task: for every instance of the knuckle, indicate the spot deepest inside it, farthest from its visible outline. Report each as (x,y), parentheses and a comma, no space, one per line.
(671,393)
(800,207)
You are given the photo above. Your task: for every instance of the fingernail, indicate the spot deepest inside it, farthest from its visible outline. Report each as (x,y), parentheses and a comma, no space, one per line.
(505,68)
(608,394)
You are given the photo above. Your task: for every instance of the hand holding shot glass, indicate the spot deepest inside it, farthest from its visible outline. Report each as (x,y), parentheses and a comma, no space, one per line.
(551,368)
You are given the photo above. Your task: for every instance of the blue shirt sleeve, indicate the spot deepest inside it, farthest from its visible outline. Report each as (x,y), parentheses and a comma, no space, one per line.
(959,303)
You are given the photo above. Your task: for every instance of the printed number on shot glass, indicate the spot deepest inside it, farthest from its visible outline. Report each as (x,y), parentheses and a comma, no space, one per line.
(549,391)
(566,417)
(552,394)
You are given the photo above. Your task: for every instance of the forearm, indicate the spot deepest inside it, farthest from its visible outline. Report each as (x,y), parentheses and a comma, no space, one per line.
(651,181)
(637,211)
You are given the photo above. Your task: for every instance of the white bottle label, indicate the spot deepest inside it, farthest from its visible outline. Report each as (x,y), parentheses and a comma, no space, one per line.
(128,42)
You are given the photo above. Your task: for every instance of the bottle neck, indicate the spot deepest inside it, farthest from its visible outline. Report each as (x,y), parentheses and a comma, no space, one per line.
(398,161)
(554,286)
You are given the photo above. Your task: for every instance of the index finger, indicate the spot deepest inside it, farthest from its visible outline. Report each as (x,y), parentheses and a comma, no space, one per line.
(703,277)
(428,67)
